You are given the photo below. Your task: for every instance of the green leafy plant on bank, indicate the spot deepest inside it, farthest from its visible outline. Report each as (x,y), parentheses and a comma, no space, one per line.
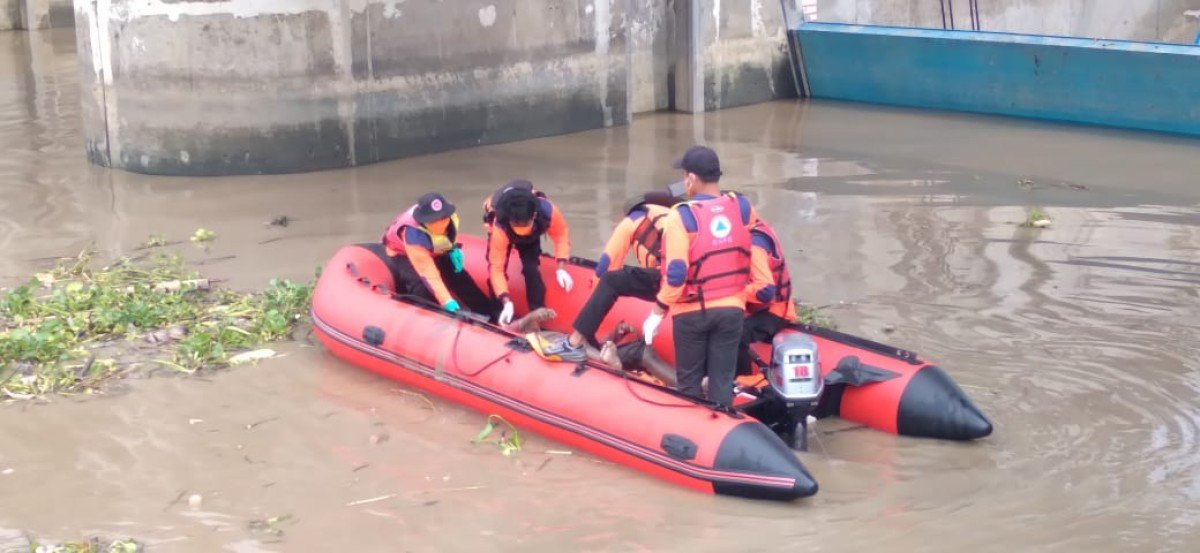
(71,328)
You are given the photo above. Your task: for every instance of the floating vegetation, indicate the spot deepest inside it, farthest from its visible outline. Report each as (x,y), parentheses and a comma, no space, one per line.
(814,315)
(1035,218)
(75,327)
(201,236)
(270,525)
(509,441)
(94,545)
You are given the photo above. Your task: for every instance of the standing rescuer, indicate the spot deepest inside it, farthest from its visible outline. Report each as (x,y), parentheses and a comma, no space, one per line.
(706,272)
(428,263)
(516,217)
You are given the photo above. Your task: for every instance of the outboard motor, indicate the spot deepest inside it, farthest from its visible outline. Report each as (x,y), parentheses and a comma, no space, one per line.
(795,378)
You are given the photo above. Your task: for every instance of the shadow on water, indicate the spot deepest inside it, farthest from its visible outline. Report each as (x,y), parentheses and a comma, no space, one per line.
(1079,340)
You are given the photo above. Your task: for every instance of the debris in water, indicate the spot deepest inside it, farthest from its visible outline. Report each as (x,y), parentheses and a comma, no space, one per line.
(155,241)
(1036,218)
(1026,184)
(280,221)
(203,235)
(888,329)
(371,500)
(509,444)
(195,421)
(269,525)
(252,425)
(251,356)
(559,452)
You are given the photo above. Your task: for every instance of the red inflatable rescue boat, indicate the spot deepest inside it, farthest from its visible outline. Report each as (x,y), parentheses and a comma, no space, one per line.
(611,413)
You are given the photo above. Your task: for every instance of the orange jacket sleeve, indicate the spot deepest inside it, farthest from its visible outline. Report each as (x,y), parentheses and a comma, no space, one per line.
(559,233)
(617,247)
(497,259)
(761,278)
(675,260)
(422,262)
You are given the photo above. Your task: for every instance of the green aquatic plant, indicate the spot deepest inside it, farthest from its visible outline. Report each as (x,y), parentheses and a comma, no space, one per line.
(94,545)
(73,327)
(814,315)
(1035,217)
(509,440)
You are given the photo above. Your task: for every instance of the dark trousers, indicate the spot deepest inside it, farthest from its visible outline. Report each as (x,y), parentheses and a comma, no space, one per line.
(461,286)
(627,281)
(706,344)
(531,263)
(760,327)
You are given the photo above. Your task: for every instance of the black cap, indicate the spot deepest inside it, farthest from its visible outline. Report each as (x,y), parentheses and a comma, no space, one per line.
(431,207)
(702,161)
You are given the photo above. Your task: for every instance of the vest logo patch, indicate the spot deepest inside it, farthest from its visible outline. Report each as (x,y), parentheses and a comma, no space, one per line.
(720,227)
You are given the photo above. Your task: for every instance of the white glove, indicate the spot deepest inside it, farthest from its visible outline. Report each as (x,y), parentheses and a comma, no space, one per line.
(564,279)
(650,327)
(506,314)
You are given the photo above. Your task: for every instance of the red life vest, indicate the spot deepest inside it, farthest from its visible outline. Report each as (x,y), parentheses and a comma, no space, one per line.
(393,238)
(647,237)
(719,255)
(779,269)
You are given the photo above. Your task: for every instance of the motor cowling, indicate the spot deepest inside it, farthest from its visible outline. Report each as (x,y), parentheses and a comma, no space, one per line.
(795,371)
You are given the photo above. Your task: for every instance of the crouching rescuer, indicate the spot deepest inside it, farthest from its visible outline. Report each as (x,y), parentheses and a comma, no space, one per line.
(426,261)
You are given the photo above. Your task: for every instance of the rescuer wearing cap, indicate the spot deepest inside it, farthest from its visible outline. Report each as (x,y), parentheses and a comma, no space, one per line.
(427,261)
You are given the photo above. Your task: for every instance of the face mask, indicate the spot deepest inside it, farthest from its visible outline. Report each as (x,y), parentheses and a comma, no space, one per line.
(522,230)
(439,226)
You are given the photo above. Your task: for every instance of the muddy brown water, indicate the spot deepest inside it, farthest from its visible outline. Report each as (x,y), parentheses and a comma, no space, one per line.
(1080,341)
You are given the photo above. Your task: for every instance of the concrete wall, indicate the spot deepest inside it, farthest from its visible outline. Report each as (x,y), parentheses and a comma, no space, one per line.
(1144,20)
(35,14)
(1124,84)
(203,88)
(731,53)
(10,15)
(652,55)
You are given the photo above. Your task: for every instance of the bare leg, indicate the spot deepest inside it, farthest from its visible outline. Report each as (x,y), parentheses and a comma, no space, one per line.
(533,321)
(660,369)
(608,355)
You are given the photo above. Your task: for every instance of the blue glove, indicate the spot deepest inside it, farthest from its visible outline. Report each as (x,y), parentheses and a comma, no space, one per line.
(452,306)
(456,259)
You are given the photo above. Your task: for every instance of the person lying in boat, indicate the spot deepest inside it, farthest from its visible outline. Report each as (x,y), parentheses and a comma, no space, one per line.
(769,307)
(427,261)
(622,349)
(516,217)
(640,231)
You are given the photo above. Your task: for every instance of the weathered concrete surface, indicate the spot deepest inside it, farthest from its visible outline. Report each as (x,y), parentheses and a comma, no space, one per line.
(10,15)
(1143,20)
(35,14)
(651,55)
(268,86)
(732,54)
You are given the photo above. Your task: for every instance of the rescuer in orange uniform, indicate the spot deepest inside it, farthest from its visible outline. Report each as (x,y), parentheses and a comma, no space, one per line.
(516,217)
(706,271)
(427,262)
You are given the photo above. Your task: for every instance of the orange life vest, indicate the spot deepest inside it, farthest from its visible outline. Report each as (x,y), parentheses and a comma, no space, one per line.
(779,269)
